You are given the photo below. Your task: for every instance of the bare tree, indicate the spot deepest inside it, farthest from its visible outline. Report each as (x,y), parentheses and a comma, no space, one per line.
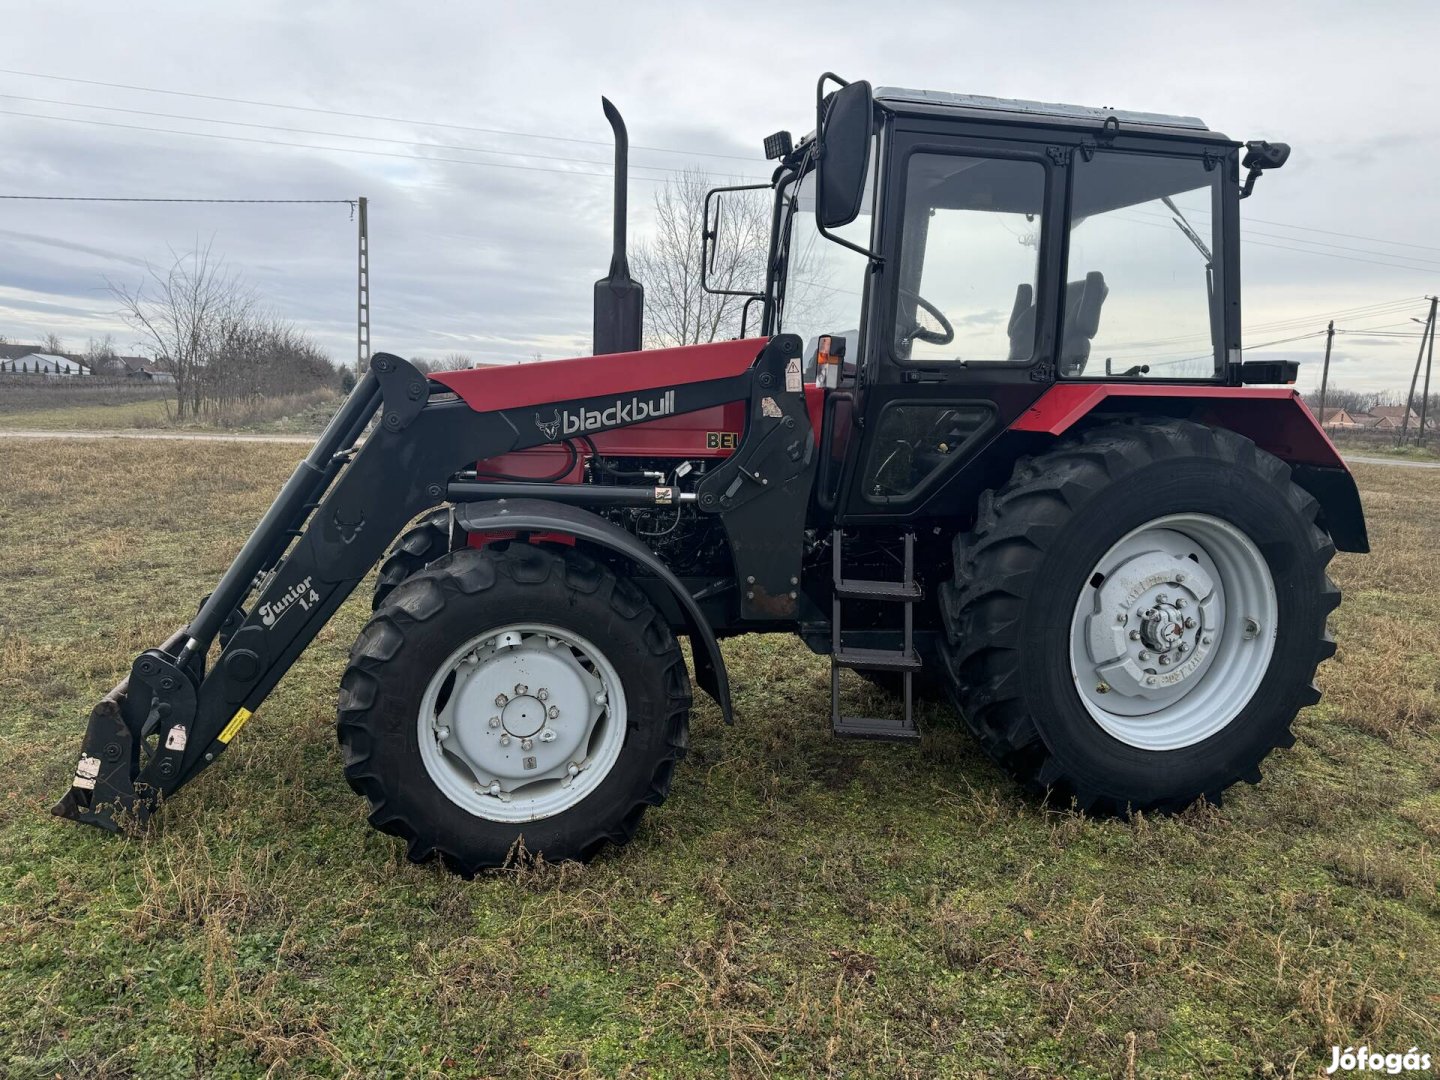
(101,357)
(204,325)
(52,344)
(677,310)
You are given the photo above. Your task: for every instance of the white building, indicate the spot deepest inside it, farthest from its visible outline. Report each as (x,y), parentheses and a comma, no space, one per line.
(38,363)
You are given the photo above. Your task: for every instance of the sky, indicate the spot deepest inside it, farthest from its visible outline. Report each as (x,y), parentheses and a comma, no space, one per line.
(475,132)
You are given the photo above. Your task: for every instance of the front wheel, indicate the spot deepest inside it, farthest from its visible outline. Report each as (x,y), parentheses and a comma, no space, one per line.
(1137,616)
(509,699)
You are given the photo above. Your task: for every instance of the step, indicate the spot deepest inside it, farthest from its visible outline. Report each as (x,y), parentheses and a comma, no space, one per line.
(860,589)
(877,660)
(866,727)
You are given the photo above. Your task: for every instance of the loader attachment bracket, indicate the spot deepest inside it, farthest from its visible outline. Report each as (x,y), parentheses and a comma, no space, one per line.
(762,491)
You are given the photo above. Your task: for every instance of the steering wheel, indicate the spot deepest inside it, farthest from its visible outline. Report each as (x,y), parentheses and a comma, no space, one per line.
(944,335)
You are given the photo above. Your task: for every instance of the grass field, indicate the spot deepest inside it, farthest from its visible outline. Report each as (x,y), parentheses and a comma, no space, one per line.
(68,408)
(800,907)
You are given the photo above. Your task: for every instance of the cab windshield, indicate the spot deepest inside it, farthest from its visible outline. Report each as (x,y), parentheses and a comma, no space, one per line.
(822,283)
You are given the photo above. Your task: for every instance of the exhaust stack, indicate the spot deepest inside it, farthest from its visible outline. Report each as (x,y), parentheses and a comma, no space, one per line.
(619,300)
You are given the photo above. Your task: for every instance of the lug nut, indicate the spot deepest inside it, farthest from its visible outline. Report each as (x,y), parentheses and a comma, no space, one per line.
(1180,578)
(1205,640)
(494,788)
(1182,602)
(1184,646)
(1144,655)
(1121,617)
(1134,635)
(501,700)
(600,698)
(521,689)
(542,694)
(1189,622)
(1161,598)
(494,721)
(553,712)
(547,735)
(1164,660)
(1149,613)
(504,740)
(442,733)
(526,744)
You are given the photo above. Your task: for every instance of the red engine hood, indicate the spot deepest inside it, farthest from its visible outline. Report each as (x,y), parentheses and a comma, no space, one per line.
(511,386)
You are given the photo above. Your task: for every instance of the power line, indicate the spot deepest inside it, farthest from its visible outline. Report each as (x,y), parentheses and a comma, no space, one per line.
(324,134)
(360,116)
(130,199)
(333,149)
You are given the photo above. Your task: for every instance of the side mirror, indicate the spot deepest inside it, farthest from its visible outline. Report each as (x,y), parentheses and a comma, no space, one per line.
(713,214)
(844,143)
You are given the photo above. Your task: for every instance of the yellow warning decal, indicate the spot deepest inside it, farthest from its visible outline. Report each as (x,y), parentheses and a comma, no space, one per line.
(235,725)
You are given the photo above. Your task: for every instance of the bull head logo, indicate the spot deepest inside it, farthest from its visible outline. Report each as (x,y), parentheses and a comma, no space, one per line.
(548,428)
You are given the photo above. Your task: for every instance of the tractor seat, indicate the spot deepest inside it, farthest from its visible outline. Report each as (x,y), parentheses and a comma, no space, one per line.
(1021,327)
(1083,301)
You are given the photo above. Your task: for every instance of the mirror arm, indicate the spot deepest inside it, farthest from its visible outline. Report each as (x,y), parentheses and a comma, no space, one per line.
(876,261)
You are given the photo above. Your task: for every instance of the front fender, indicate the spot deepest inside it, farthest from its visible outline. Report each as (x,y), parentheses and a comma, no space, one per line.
(541,515)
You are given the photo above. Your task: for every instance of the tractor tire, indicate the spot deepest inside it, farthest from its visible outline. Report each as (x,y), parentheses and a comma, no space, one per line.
(417,548)
(483,723)
(1179,678)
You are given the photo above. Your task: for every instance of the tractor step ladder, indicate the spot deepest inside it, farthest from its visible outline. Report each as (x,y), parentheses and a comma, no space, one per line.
(906,661)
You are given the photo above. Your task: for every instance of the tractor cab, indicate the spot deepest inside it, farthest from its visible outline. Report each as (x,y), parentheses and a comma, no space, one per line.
(948,258)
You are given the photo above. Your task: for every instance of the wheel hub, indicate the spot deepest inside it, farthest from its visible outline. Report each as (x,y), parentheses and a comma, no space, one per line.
(1156,623)
(520,716)
(1173,631)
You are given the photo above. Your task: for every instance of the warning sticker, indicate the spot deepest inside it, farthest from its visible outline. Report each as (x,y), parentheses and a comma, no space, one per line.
(235,724)
(176,739)
(86,772)
(792,376)
(769,408)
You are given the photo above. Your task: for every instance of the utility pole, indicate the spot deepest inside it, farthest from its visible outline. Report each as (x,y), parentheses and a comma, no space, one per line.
(1325,371)
(1429,362)
(1410,398)
(362,341)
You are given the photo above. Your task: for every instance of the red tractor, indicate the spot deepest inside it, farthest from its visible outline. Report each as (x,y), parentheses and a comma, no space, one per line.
(993,438)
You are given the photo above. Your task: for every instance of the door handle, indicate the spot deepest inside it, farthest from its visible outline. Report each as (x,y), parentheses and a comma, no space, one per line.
(923,376)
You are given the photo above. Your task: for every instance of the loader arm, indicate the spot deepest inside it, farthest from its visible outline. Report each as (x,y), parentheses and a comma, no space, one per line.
(342,507)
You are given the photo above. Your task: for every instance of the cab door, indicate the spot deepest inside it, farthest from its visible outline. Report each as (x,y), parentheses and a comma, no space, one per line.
(962,325)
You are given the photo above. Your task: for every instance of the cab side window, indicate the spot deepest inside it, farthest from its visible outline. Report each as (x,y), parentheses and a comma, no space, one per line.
(1141,294)
(970,259)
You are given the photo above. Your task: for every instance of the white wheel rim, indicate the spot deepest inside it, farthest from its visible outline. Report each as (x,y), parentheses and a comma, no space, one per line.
(1173,631)
(522,722)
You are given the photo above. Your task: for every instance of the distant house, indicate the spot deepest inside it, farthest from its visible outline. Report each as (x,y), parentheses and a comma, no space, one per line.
(38,363)
(137,367)
(1333,418)
(1392,417)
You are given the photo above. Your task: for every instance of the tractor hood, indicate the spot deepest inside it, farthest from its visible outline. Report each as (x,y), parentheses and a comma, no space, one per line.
(509,386)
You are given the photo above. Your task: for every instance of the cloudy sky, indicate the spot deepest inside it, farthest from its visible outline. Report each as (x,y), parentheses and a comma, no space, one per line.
(475,131)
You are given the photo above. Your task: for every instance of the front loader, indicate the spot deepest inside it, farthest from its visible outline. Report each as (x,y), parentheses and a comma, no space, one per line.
(993,438)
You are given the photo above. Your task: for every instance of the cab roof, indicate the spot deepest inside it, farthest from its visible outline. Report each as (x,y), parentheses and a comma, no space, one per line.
(1043,113)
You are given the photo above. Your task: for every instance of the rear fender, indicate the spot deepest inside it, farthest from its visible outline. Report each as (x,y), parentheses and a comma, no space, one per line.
(524,515)
(1274,418)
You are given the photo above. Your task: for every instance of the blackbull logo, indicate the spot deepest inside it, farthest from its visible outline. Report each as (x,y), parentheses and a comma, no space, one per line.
(621,413)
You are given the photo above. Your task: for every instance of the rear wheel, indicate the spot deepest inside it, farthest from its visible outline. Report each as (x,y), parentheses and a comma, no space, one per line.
(1137,616)
(514,697)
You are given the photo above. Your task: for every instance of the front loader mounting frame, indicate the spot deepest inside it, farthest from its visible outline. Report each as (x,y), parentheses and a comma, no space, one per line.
(328,527)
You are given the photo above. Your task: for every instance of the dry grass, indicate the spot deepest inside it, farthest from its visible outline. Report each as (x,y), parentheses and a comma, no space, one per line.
(799,908)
